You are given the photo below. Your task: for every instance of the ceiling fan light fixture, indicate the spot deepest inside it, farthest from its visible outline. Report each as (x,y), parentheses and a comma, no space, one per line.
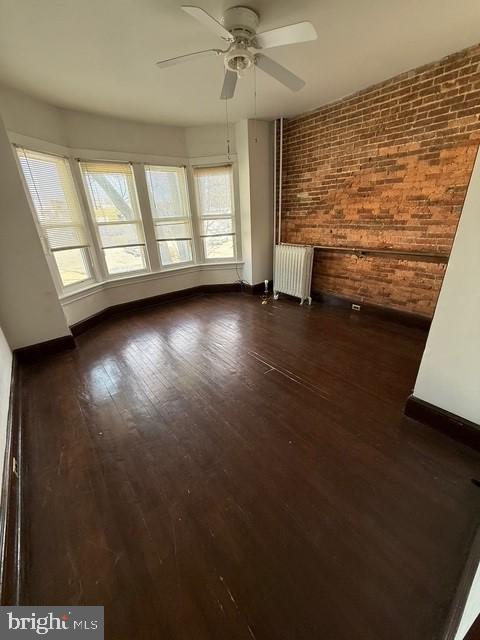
(238,59)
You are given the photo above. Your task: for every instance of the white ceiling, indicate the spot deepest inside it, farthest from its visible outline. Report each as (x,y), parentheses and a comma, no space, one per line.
(99,55)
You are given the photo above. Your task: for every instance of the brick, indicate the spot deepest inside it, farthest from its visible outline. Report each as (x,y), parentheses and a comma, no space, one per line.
(387,167)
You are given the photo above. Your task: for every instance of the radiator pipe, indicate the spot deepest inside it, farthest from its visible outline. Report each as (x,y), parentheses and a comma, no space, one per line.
(280,167)
(274,183)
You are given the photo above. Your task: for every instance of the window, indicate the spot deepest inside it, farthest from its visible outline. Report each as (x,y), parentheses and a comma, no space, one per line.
(113,201)
(167,189)
(60,220)
(215,210)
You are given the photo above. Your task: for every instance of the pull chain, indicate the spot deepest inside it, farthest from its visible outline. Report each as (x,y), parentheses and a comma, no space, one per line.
(255,139)
(228,129)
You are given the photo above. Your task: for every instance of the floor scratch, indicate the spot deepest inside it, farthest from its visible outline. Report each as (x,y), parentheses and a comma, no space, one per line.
(229,593)
(289,374)
(175,551)
(60,460)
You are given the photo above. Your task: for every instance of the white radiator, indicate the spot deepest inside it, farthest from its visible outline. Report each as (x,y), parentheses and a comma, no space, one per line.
(293,271)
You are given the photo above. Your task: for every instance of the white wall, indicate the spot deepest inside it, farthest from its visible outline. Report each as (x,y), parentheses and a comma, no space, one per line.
(30,311)
(254,141)
(243,158)
(261,190)
(449,374)
(86,304)
(31,117)
(28,116)
(91,131)
(210,140)
(5,378)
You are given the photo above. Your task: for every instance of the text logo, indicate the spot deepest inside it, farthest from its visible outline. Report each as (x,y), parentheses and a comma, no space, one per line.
(54,622)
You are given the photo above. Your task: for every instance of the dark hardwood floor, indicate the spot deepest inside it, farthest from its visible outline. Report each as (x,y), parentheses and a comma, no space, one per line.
(221,469)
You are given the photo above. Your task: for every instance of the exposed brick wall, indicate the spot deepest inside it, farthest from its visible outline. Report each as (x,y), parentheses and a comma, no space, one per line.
(386,168)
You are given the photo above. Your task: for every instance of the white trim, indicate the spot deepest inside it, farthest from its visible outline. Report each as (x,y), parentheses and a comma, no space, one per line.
(37,144)
(206,161)
(87,155)
(146,277)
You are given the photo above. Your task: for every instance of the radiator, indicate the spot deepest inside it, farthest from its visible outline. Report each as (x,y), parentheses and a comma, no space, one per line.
(293,271)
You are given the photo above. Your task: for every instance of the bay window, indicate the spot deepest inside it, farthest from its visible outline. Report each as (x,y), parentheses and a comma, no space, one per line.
(94,226)
(114,205)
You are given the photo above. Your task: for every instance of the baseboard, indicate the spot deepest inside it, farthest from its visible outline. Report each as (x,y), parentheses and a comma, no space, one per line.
(386,313)
(129,307)
(41,349)
(452,425)
(11,556)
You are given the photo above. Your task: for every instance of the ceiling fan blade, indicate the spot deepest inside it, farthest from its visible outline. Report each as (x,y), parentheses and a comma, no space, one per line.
(207,20)
(170,62)
(278,72)
(229,84)
(291,34)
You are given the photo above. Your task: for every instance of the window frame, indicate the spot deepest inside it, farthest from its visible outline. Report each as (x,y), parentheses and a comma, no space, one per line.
(188,217)
(96,225)
(88,249)
(233,215)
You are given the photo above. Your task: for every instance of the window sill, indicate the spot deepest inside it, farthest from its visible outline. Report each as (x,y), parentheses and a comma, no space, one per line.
(145,277)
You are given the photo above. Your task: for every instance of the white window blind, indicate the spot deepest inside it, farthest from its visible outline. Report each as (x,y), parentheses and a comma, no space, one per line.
(167,189)
(60,220)
(214,189)
(113,201)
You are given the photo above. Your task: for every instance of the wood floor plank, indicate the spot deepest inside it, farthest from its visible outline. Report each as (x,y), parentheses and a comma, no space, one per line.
(218,468)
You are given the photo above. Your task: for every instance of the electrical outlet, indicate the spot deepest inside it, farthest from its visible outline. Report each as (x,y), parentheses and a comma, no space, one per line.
(356,307)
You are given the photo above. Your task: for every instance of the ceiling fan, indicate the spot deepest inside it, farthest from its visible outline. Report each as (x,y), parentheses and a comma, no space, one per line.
(238,27)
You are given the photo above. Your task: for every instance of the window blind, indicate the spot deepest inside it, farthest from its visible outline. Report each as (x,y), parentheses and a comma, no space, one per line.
(214,188)
(60,219)
(113,201)
(167,189)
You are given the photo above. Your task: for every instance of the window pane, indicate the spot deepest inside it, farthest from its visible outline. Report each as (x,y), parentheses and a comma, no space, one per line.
(214,190)
(166,188)
(218,247)
(72,265)
(175,230)
(175,251)
(112,235)
(112,191)
(222,225)
(124,259)
(58,237)
(51,188)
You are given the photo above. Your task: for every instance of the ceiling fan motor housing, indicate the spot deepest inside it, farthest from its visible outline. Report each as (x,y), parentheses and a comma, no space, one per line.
(242,22)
